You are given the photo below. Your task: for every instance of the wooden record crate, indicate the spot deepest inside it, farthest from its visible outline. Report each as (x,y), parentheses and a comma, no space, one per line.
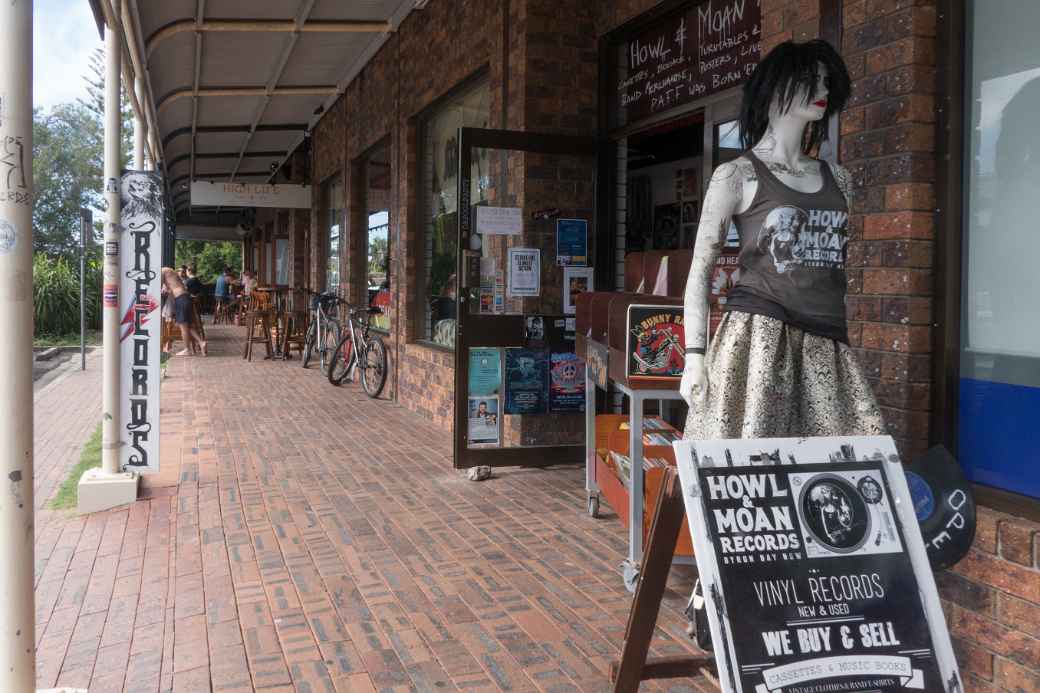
(610,437)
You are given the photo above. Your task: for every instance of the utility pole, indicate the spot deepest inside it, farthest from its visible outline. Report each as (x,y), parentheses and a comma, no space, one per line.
(139,127)
(17,613)
(109,486)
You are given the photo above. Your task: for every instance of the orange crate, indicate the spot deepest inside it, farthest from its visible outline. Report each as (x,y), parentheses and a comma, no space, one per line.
(614,490)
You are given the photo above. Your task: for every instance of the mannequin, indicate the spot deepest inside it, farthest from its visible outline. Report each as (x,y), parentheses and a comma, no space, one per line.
(779,364)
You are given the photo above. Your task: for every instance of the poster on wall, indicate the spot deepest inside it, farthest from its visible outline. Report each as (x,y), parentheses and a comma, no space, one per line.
(566,382)
(140,290)
(572,242)
(724,277)
(483,424)
(814,573)
(524,272)
(666,227)
(576,280)
(485,371)
(506,221)
(526,381)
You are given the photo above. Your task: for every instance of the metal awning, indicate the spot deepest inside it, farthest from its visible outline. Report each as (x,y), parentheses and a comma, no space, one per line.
(234,85)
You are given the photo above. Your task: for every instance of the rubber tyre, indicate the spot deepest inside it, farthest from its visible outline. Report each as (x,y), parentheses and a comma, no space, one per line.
(308,345)
(332,337)
(373,372)
(342,360)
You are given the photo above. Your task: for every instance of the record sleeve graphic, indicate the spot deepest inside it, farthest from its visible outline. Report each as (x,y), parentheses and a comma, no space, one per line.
(834,513)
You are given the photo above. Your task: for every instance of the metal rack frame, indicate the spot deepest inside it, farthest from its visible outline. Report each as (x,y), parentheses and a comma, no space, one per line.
(637,399)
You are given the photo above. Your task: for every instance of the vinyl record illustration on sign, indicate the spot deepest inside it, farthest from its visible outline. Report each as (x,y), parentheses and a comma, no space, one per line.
(835,514)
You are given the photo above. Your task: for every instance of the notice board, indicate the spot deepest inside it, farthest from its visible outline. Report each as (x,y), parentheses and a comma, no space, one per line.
(813,567)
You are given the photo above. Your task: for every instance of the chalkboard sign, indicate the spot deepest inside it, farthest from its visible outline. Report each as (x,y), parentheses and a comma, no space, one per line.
(689,55)
(813,567)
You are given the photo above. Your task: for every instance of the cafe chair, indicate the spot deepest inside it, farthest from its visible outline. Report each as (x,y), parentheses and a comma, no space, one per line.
(258,323)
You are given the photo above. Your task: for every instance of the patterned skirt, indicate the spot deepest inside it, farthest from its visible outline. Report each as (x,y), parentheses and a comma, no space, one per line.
(767,379)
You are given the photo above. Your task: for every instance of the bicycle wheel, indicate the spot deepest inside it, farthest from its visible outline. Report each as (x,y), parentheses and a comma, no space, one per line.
(308,344)
(342,359)
(332,335)
(373,375)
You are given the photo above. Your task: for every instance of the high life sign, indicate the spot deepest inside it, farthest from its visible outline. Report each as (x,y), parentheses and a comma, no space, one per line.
(813,567)
(140,329)
(282,195)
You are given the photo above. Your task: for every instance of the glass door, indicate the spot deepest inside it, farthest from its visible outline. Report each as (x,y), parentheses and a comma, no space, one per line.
(526,234)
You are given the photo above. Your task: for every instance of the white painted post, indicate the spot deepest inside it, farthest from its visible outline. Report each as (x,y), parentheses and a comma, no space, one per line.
(108,487)
(139,133)
(17,613)
(110,407)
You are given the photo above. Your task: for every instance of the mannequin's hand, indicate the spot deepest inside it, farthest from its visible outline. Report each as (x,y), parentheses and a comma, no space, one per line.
(694,383)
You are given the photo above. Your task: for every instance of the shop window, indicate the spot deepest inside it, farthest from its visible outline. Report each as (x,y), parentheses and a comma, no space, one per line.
(727,142)
(376,168)
(332,221)
(1000,340)
(439,173)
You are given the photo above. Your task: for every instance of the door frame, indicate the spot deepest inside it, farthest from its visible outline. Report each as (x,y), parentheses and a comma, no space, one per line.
(503,330)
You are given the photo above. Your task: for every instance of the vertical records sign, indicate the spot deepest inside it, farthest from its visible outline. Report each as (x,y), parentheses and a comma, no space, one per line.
(140,330)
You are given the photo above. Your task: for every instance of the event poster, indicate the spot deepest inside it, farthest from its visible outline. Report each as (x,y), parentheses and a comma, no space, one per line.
(813,567)
(572,242)
(485,371)
(566,382)
(526,381)
(524,272)
(576,280)
(140,331)
(484,426)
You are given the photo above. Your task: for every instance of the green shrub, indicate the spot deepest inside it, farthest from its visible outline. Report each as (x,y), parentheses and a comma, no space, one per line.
(56,295)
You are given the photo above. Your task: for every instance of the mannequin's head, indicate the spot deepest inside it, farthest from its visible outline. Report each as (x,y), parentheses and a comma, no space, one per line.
(789,83)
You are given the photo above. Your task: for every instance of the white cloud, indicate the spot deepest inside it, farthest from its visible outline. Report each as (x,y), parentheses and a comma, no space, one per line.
(64,36)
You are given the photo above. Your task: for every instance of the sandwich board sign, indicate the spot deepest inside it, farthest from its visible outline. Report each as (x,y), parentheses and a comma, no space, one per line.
(813,568)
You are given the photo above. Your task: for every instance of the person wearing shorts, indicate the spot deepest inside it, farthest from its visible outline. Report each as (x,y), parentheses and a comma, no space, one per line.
(182,311)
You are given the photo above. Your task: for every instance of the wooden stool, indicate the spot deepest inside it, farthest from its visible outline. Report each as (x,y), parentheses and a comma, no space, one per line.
(296,322)
(259,315)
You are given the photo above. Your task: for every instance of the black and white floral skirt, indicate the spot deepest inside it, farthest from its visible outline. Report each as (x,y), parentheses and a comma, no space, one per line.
(767,379)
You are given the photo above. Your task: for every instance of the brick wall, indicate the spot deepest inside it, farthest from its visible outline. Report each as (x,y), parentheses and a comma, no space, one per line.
(992,604)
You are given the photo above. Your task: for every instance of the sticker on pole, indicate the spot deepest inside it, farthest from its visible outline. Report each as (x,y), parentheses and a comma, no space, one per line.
(111,248)
(110,295)
(8,237)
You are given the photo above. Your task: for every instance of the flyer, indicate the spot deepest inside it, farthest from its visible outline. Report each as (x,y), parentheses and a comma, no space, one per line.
(526,381)
(572,242)
(813,568)
(576,280)
(507,221)
(484,424)
(567,382)
(524,272)
(485,371)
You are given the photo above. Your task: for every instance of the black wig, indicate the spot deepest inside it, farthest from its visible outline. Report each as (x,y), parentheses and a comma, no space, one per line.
(780,74)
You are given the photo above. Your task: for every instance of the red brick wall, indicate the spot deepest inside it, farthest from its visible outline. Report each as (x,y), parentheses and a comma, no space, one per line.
(992,603)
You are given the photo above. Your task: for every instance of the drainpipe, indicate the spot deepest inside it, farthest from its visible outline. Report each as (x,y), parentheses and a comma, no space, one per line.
(17,614)
(139,133)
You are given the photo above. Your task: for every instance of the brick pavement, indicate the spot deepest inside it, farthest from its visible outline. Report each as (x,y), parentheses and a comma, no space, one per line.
(303,537)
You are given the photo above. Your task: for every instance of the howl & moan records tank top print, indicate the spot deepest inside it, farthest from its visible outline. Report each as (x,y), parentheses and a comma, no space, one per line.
(792,254)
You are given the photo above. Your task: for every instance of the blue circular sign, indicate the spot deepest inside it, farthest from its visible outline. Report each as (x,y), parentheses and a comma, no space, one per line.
(921,495)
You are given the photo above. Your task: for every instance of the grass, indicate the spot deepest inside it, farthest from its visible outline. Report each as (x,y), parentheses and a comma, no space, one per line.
(53,340)
(90,457)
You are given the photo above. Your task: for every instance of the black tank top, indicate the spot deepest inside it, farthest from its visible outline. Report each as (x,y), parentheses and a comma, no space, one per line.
(792,254)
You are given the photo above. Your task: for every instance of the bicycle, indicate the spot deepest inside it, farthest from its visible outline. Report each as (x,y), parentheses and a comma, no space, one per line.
(324,331)
(358,347)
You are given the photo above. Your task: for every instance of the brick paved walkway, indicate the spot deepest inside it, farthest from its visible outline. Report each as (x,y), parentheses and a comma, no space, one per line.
(303,537)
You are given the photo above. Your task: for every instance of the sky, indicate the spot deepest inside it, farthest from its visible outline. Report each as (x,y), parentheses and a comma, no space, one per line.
(64,36)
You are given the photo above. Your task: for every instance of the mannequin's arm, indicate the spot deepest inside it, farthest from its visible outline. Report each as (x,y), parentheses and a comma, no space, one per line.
(722,200)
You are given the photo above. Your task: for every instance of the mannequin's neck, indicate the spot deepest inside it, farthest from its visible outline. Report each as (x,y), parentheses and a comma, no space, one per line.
(783,140)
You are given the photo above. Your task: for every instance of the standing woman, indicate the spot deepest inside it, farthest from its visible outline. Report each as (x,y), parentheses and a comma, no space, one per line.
(779,364)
